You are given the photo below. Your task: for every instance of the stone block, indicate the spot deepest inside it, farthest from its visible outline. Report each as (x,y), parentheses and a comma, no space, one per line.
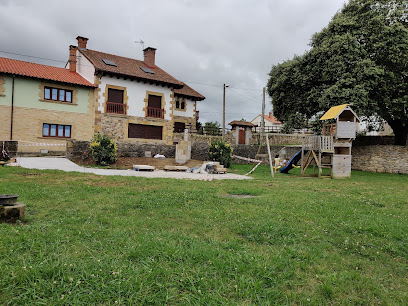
(12,212)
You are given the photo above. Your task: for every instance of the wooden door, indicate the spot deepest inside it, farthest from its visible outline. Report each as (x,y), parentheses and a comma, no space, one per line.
(241,139)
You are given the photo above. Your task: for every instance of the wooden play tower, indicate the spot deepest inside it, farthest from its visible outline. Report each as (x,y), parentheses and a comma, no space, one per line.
(332,150)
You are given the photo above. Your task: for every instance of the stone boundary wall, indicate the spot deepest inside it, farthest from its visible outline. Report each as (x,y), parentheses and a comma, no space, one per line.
(199,151)
(10,146)
(380,158)
(373,141)
(81,149)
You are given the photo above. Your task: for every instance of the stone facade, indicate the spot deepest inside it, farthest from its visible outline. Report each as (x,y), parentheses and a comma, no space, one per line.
(28,123)
(380,158)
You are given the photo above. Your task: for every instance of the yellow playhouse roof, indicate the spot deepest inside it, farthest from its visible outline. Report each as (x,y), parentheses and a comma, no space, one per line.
(333,112)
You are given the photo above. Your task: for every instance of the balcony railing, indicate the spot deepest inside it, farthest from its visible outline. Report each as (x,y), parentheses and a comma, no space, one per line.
(155,112)
(115,108)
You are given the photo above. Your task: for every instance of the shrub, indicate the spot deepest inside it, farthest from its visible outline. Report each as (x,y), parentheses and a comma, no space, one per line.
(220,151)
(103,150)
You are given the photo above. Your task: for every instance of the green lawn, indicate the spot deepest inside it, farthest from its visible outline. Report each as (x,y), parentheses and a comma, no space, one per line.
(89,239)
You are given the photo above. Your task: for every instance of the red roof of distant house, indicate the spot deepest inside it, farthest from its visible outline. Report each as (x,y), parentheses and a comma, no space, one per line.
(272,119)
(33,70)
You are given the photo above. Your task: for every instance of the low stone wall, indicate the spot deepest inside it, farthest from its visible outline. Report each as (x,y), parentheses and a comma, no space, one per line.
(177,137)
(81,149)
(380,158)
(10,146)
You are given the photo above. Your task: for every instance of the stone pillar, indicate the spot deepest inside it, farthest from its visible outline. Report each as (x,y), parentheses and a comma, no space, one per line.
(185,134)
(237,134)
(247,135)
(183,152)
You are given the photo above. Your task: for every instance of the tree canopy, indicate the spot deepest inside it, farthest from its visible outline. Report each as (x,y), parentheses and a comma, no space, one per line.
(360,58)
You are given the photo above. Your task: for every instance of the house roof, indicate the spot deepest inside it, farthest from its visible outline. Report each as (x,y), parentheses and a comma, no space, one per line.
(270,118)
(33,70)
(241,123)
(335,111)
(189,92)
(128,67)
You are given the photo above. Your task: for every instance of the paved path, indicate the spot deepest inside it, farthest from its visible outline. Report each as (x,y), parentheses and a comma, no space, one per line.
(61,163)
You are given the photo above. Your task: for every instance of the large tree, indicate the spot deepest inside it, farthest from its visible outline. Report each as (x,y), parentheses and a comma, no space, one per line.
(360,58)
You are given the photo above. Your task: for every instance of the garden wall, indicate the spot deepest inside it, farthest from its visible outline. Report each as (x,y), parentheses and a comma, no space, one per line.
(380,158)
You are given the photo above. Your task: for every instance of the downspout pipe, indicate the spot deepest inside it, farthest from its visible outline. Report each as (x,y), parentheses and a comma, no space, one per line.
(12,109)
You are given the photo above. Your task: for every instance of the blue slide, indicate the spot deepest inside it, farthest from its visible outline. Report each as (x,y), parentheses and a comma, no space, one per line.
(293,161)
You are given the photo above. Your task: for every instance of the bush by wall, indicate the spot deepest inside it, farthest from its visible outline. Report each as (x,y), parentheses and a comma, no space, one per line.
(221,152)
(103,150)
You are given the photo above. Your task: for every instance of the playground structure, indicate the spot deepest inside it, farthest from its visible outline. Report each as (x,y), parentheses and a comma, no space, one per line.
(332,150)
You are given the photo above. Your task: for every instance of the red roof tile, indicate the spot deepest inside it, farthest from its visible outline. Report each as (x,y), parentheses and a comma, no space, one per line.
(189,92)
(241,123)
(272,119)
(128,67)
(33,70)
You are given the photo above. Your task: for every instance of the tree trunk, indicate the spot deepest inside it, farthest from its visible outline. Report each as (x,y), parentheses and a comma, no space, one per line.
(400,132)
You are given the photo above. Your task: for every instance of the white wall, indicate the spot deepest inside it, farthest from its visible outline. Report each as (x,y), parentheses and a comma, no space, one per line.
(189,110)
(85,68)
(136,92)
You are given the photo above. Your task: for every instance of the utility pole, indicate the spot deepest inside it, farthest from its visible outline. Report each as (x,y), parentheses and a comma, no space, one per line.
(223,113)
(263,115)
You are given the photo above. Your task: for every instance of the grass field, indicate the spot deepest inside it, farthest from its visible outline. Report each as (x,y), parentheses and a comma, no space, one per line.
(88,239)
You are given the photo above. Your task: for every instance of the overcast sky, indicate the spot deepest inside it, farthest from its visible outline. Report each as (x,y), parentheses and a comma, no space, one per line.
(198,41)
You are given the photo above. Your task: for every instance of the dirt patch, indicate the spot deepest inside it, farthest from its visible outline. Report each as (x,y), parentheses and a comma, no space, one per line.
(30,174)
(128,162)
(239,196)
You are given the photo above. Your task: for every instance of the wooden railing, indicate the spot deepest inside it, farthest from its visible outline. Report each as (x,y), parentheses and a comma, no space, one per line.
(155,112)
(319,143)
(115,108)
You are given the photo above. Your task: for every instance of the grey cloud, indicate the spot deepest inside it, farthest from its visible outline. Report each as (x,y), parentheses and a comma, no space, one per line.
(210,42)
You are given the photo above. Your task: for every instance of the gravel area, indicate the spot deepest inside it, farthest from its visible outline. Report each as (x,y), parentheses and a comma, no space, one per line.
(61,163)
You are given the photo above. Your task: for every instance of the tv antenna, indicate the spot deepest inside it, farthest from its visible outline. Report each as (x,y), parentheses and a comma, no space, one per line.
(141,42)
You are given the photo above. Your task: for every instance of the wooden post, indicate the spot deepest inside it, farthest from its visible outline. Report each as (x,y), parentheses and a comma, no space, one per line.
(269,153)
(263,114)
(303,154)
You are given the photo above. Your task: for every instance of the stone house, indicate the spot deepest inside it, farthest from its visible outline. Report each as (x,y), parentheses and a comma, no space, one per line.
(271,123)
(136,100)
(43,106)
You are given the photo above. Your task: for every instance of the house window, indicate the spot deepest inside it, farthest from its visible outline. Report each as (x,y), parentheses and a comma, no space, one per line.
(115,101)
(58,94)
(145,131)
(56,130)
(180,104)
(179,127)
(115,95)
(154,107)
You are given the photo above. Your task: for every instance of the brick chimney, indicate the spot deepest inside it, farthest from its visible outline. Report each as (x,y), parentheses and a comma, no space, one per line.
(270,115)
(149,56)
(82,42)
(72,58)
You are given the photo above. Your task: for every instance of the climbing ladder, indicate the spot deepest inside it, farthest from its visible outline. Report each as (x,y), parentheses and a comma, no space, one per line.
(317,149)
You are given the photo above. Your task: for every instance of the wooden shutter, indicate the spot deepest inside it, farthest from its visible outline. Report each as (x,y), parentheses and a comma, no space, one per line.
(154,101)
(179,127)
(115,95)
(154,132)
(145,131)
